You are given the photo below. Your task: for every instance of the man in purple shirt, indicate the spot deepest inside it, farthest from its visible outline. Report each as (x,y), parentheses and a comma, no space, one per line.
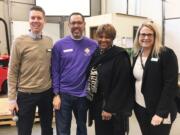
(70,59)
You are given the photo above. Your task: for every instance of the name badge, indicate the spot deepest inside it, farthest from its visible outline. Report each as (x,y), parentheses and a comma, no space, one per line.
(49,50)
(154,59)
(67,50)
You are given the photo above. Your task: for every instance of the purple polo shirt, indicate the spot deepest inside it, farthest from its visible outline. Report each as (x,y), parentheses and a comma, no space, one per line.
(70,59)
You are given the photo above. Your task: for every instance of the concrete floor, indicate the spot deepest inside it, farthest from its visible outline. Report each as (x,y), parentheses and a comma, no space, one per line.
(134,128)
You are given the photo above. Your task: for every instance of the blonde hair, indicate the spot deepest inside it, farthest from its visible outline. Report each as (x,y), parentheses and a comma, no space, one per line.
(157,46)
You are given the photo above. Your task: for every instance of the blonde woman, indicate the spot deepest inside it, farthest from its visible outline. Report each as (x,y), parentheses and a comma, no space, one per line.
(155,70)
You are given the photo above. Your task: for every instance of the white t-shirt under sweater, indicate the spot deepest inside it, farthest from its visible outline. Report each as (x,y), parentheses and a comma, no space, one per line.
(138,74)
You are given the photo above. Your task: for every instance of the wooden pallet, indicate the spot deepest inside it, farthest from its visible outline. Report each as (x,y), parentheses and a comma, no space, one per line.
(5,114)
(7,120)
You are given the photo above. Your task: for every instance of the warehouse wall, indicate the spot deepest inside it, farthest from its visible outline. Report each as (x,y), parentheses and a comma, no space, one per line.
(135,7)
(1,9)
(17,10)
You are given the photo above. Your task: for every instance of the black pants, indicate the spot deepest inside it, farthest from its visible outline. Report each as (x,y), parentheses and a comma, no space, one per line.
(115,126)
(144,120)
(118,125)
(27,103)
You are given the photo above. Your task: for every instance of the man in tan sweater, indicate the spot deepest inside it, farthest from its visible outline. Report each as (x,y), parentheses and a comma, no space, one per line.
(29,81)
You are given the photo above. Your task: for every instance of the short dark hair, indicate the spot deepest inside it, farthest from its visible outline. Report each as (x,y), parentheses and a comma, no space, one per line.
(76,13)
(38,8)
(108,29)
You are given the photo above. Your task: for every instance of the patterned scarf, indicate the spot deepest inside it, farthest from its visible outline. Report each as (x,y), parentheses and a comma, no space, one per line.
(92,83)
(98,59)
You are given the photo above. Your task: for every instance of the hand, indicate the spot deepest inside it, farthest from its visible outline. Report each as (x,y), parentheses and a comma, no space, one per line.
(57,102)
(156,120)
(106,115)
(13,106)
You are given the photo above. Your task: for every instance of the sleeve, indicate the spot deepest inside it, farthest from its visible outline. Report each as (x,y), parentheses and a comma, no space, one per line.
(14,70)
(120,99)
(170,81)
(55,69)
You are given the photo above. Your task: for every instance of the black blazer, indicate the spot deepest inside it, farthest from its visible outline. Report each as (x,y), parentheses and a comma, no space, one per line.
(159,85)
(114,81)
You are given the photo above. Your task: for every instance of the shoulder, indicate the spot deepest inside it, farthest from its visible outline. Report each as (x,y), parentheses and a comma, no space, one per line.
(21,40)
(120,50)
(22,37)
(62,40)
(47,38)
(90,40)
(61,43)
(168,57)
(166,51)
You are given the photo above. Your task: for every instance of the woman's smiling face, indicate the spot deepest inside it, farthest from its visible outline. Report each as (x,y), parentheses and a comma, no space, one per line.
(146,38)
(104,41)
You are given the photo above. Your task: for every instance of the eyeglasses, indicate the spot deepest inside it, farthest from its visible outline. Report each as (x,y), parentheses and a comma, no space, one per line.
(76,23)
(143,35)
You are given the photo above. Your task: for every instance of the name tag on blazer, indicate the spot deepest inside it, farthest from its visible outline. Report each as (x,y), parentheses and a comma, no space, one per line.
(154,59)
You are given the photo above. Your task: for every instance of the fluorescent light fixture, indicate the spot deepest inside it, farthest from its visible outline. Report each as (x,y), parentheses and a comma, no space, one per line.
(64,7)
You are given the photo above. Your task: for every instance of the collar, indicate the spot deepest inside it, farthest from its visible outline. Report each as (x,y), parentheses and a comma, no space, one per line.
(104,50)
(35,36)
(76,38)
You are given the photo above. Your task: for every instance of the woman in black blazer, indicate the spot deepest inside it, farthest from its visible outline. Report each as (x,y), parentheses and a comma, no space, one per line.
(155,71)
(110,85)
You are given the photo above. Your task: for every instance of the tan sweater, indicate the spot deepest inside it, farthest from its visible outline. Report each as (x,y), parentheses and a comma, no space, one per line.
(29,65)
